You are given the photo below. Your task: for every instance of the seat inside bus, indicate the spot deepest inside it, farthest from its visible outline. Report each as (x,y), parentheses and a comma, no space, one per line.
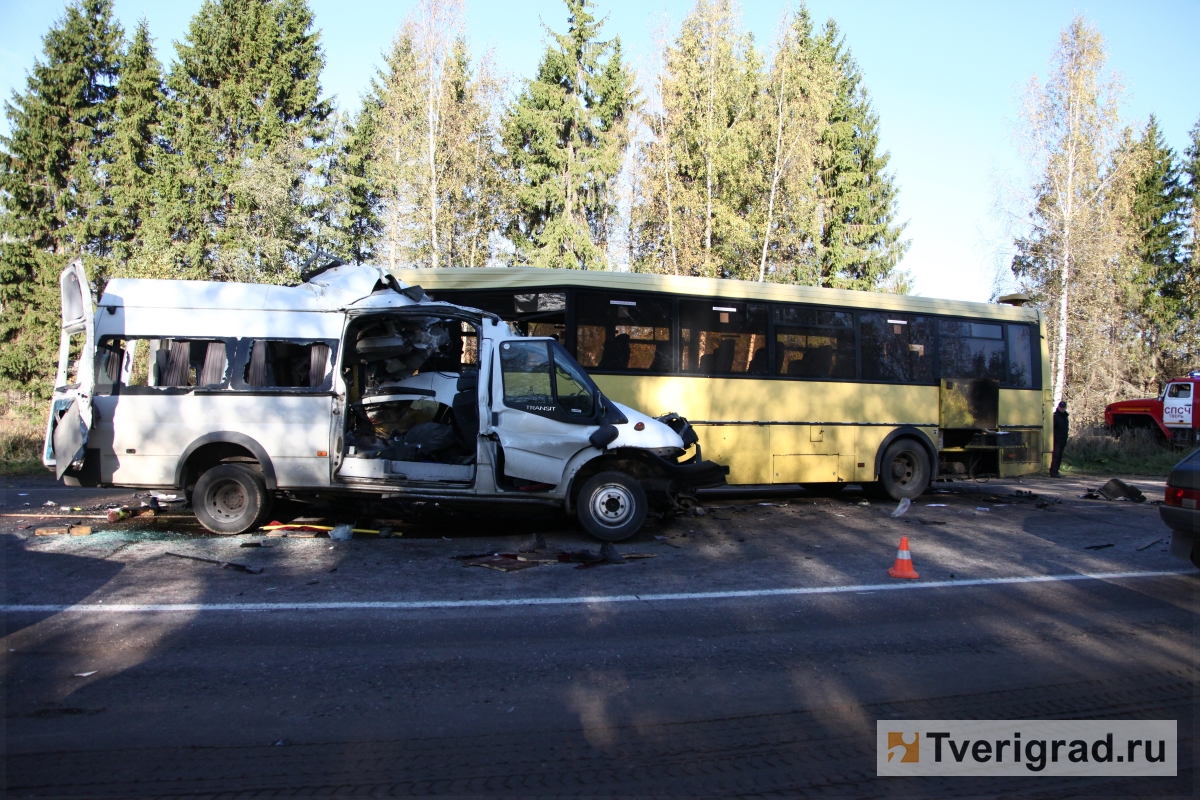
(412,412)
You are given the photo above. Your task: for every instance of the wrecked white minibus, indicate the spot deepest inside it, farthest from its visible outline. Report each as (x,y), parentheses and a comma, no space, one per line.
(350,384)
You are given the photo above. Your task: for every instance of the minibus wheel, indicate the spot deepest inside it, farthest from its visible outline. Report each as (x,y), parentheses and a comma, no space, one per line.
(230,498)
(904,471)
(612,506)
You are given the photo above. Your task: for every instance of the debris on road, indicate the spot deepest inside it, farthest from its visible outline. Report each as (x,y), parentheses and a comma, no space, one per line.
(536,544)
(1148,545)
(222,564)
(56,530)
(502,562)
(668,542)
(935,505)
(902,508)
(256,544)
(1098,546)
(86,674)
(342,533)
(81,530)
(1116,489)
(304,530)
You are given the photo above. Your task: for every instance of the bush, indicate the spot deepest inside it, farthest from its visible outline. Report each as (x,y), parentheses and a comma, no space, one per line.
(22,433)
(1138,451)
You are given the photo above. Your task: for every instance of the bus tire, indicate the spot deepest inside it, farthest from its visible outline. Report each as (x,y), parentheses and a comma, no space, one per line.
(904,471)
(611,506)
(231,498)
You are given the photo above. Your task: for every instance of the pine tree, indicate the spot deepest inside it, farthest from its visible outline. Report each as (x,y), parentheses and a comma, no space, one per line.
(136,142)
(566,135)
(1190,279)
(358,226)
(857,238)
(243,115)
(52,185)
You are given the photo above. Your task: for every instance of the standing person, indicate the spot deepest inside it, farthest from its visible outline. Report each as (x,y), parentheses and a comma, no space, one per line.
(1062,427)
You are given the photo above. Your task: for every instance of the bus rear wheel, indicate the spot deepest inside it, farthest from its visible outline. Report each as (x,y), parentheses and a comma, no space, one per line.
(231,498)
(904,471)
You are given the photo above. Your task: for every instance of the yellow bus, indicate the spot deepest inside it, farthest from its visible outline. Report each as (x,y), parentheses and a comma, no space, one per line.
(794,384)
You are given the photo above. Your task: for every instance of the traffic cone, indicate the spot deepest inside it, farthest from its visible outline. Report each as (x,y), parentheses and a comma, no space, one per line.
(903,567)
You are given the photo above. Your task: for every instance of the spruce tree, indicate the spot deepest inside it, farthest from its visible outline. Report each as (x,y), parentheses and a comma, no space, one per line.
(857,237)
(136,142)
(565,136)
(52,187)
(242,115)
(1189,282)
(359,225)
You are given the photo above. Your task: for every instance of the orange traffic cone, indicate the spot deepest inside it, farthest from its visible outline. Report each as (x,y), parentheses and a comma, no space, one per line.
(903,567)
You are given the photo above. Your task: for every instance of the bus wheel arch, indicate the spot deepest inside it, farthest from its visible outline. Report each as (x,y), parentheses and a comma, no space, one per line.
(904,464)
(223,447)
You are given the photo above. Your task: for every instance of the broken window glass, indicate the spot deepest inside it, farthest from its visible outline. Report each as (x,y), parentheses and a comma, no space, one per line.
(623,333)
(814,343)
(160,363)
(723,337)
(896,347)
(283,364)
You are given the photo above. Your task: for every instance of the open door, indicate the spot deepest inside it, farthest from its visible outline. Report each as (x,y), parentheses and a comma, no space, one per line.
(71,405)
(1177,405)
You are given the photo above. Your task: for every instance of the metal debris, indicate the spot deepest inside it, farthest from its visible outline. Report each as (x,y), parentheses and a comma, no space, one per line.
(221,564)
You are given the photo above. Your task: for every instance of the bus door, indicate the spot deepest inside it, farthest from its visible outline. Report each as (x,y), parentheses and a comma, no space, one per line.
(71,404)
(1177,405)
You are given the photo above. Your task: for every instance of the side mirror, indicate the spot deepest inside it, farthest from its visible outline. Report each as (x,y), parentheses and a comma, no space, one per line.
(604,436)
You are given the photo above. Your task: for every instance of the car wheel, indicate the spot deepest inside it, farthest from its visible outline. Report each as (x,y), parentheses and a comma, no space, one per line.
(904,471)
(612,506)
(231,498)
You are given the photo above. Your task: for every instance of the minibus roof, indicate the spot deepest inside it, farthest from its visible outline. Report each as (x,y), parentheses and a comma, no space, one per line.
(333,289)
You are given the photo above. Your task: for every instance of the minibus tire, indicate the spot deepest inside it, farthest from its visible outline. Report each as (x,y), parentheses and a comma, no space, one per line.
(230,498)
(904,471)
(612,506)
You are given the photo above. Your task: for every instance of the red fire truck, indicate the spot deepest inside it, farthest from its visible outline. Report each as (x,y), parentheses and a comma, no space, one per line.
(1172,414)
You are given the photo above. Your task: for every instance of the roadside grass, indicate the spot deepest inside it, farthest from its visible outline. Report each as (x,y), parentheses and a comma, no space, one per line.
(1095,451)
(21,435)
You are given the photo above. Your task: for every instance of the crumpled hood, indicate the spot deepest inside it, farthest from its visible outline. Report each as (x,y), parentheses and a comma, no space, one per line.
(655,434)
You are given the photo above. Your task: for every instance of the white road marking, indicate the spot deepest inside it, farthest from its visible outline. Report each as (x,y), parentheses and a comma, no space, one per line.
(414,605)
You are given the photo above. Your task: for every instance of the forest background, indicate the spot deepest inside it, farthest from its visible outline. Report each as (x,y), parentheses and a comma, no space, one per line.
(725,157)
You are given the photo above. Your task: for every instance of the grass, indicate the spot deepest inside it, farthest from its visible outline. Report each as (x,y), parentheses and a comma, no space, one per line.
(21,435)
(1095,451)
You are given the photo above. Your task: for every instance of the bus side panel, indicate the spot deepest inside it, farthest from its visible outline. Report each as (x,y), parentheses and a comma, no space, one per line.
(743,448)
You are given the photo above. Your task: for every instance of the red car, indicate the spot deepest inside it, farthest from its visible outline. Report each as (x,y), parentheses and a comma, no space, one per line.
(1173,414)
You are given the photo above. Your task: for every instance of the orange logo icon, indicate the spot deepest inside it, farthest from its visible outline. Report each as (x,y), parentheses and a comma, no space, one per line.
(911,750)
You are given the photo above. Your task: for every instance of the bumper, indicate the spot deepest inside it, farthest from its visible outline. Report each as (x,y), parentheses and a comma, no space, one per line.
(696,474)
(1185,528)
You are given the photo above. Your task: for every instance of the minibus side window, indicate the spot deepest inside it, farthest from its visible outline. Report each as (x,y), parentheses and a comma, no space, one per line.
(723,337)
(160,364)
(896,347)
(623,333)
(274,364)
(814,343)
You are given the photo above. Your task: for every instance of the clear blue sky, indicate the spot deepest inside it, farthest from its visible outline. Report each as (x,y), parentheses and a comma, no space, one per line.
(946,78)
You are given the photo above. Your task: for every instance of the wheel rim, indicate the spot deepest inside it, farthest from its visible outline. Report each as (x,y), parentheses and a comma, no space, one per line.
(904,469)
(612,505)
(227,500)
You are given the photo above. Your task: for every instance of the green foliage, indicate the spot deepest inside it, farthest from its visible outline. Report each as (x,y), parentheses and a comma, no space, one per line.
(53,187)
(242,116)
(566,135)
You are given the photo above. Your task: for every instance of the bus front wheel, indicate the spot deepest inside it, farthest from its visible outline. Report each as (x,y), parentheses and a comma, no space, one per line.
(904,471)
(231,498)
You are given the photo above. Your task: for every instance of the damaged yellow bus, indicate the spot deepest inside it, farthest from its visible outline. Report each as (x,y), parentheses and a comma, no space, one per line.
(793,384)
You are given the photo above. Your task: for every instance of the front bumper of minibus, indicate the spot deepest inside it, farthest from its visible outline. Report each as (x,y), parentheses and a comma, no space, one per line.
(693,474)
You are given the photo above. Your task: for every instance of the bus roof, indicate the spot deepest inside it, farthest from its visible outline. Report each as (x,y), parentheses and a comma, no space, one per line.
(534,278)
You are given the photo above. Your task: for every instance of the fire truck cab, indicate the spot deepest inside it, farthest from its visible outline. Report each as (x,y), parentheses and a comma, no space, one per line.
(1173,414)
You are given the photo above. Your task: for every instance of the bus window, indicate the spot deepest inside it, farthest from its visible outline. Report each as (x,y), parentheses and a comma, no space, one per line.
(1020,357)
(814,343)
(623,334)
(971,349)
(533,313)
(723,337)
(896,347)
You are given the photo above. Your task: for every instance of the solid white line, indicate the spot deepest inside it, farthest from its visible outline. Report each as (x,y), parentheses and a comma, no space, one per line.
(412,605)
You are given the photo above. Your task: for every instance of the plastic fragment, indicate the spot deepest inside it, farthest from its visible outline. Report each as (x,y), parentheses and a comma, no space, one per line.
(902,508)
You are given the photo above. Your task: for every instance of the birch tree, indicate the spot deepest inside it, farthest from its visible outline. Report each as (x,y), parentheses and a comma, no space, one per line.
(1069,125)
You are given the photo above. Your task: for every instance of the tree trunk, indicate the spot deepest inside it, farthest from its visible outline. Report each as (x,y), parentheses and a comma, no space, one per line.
(431,134)
(775,172)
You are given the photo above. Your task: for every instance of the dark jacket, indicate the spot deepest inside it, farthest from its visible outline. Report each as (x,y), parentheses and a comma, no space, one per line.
(1062,427)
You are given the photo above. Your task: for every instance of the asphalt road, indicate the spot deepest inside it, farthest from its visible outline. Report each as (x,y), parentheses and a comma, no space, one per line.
(685,674)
